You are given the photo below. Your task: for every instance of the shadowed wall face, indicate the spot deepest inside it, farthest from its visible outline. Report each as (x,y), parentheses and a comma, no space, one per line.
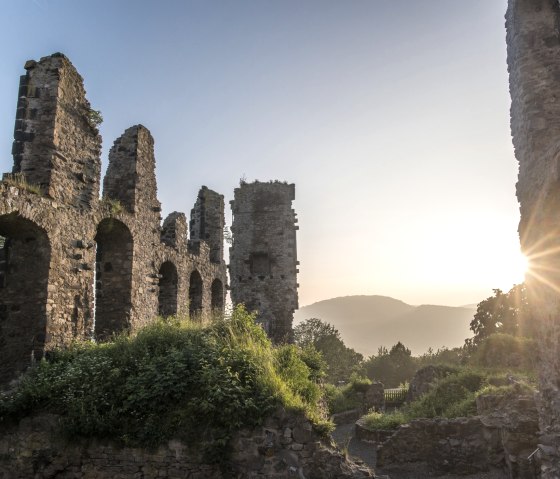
(113,278)
(217,301)
(534,75)
(195,294)
(24,274)
(167,289)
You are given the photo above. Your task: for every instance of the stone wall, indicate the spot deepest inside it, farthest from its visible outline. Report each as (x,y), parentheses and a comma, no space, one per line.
(534,75)
(502,436)
(263,258)
(73,266)
(286,446)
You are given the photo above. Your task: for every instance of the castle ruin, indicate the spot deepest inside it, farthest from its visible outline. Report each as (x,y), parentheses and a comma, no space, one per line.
(74,266)
(534,74)
(263,257)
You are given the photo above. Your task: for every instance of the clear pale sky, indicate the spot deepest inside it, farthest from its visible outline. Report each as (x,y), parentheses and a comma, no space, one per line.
(391,116)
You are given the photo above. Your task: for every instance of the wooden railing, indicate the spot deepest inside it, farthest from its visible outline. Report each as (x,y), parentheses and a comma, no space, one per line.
(395,396)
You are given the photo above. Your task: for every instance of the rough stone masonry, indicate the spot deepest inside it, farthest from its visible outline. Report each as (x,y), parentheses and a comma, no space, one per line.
(72,265)
(534,75)
(263,259)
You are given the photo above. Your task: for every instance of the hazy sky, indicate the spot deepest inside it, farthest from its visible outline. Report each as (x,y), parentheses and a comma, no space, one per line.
(391,116)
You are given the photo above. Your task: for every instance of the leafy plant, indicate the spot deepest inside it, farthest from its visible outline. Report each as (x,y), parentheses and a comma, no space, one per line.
(340,360)
(505,351)
(94,118)
(114,205)
(196,382)
(379,421)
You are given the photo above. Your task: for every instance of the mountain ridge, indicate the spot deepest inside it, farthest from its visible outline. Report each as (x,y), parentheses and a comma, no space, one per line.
(367,322)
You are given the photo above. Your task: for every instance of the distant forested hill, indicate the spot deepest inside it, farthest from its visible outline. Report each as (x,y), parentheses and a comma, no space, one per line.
(367,322)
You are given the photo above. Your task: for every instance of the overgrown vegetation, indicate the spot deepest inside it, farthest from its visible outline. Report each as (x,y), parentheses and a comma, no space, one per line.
(95,118)
(115,206)
(506,313)
(452,396)
(341,361)
(199,383)
(379,421)
(348,396)
(19,181)
(505,351)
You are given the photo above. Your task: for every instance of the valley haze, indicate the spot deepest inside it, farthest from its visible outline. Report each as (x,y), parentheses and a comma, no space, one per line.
(367,322)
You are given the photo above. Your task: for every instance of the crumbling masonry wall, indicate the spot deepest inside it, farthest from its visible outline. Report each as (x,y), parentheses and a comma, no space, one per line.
(263,260)
(72,265)
(534,72)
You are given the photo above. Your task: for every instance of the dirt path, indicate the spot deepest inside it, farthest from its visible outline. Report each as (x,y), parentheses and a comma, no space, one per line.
(366,452)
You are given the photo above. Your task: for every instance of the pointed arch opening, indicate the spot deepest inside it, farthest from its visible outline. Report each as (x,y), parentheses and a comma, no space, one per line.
(25,255)
(167,297)
(113,278)
(217,296)
(195,294)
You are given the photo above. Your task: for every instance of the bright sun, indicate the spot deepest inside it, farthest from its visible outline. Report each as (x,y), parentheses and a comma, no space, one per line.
(511,269)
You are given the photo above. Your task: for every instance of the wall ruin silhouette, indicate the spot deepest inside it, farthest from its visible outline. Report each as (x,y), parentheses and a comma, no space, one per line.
(534,74)
(72,265)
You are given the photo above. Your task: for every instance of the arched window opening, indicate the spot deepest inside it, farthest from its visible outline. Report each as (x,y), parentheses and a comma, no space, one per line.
(167,298)
(195,294)
(217,296)
(113,278)
(25,255)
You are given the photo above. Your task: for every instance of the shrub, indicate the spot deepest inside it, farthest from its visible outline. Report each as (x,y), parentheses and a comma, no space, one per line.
(172,379)
(94,118)
(341,398)
(506,351)
(507,390)
(444,398)
(295,372)
(315,362)
(379,421)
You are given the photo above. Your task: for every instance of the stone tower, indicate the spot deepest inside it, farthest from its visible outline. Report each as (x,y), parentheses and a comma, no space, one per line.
(56,143)
(207,222)
(263,257)
(534,77)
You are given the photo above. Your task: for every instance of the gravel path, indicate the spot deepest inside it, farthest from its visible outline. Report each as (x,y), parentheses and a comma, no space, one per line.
(365,452)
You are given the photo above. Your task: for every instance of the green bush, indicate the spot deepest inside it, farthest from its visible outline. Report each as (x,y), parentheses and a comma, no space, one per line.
(315,362)
(172,379)
(508,390)
(447,394)
(359,384)
(379,421)
(341,398)
(295,372)
(506,351)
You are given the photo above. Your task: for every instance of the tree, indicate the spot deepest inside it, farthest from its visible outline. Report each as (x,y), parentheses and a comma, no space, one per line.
(506,313)
(312,330)
(391,367)
(325,338)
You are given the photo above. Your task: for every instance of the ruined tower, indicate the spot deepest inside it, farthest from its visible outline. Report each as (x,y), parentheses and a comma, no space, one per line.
(56,142)
(534,76)
(263,258)
(207,222)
